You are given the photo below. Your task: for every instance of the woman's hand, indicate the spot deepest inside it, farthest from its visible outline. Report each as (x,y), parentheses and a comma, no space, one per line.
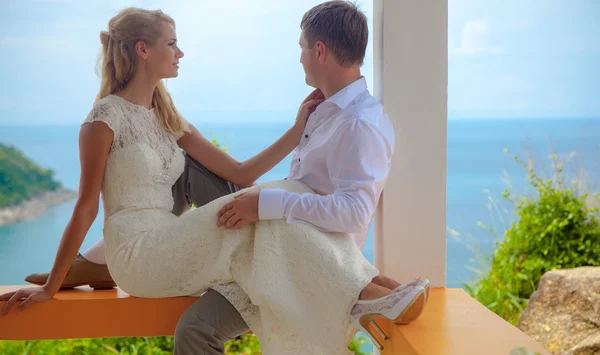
(307,107)
(30,295)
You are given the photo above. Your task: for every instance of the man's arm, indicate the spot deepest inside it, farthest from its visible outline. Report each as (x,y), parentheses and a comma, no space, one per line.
(358,163)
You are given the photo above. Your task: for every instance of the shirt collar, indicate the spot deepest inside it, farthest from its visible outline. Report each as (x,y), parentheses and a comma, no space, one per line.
(344,97)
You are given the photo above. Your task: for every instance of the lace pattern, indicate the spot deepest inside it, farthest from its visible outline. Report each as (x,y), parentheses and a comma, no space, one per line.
(385,304)
(142,155)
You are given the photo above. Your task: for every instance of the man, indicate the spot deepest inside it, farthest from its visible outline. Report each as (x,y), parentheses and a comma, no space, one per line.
(344,156)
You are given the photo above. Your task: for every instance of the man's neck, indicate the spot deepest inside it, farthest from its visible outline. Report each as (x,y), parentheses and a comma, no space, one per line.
(338,80)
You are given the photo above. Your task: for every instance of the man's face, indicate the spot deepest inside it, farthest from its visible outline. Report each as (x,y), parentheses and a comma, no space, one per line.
(310,61)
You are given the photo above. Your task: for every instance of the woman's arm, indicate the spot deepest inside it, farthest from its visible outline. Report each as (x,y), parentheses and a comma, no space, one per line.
(95,139)
(245,173)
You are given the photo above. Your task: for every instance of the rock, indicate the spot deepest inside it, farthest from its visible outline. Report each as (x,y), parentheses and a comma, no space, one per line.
(591,345)
(564,313)
(33,208)
(522,351)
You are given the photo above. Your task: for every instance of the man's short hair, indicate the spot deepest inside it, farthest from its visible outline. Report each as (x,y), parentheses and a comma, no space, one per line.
(341,26)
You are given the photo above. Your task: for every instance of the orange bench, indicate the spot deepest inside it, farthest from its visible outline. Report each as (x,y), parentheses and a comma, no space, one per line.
(87,313)
(452,323)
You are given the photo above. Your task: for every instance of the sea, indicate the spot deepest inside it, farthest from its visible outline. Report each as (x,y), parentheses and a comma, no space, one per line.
(480,168)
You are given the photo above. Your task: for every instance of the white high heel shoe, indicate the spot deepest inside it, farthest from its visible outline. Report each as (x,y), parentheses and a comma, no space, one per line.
(411,299)
(411,316)
(422,282)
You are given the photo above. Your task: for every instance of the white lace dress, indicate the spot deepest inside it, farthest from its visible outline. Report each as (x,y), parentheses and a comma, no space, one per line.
(292,284)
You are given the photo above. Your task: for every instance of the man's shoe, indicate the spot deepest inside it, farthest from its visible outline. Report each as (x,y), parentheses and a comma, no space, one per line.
(82,272)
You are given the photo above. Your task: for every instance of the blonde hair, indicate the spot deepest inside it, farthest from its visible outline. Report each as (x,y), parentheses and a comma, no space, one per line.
(119,60)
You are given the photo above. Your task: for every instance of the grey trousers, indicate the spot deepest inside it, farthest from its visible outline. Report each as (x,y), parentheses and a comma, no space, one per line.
(211,320)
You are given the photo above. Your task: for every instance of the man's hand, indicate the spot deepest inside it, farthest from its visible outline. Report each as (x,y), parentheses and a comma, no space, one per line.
(239,212)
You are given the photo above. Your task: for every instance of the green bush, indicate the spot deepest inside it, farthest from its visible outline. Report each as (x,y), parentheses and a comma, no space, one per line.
(20,178)
(157,345)
(246,344)
(555,229)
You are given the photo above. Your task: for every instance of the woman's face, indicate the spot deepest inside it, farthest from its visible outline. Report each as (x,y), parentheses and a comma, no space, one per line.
(163,58)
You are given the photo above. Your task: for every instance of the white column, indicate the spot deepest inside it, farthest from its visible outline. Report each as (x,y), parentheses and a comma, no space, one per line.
(411,79)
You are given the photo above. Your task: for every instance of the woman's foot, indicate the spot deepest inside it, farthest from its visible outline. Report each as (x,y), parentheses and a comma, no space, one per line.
(82,272)
(386,282)
(373,292)
(395,306)
(421,282)
(409,316)
(414,313)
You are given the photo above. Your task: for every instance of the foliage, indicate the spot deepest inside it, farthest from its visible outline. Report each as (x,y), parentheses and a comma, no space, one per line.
(20,178)
(246,344)
(557,228)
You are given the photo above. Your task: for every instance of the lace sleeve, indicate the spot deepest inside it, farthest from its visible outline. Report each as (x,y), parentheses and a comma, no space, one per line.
(105,112)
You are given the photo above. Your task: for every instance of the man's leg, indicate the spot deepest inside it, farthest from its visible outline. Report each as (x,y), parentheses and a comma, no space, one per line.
(207,325)
(211,320)
(199,186)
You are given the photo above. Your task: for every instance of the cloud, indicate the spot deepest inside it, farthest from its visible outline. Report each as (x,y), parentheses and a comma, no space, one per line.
(474,39)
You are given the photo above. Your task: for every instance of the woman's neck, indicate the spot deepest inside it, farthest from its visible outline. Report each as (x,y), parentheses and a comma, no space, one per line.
(139,91)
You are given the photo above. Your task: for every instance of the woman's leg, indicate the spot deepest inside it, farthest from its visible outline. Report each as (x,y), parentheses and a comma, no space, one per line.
(295,273)
(196,185)
(95,254)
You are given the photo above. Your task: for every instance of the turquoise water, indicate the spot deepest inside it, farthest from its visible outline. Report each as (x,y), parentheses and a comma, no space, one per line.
(475,162)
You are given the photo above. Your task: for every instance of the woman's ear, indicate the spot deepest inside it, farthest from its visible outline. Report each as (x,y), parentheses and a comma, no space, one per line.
(141,50)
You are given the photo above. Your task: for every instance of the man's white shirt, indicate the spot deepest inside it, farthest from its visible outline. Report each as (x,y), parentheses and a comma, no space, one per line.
(345,157)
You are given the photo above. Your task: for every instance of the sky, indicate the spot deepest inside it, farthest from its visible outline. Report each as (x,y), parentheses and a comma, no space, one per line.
(507,59)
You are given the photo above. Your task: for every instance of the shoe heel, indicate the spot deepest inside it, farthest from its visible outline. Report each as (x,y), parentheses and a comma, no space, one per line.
(103,285)
(413,310)
(379,330)
(362,324)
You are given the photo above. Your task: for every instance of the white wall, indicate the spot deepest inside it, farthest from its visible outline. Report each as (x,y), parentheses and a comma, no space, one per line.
(410,42)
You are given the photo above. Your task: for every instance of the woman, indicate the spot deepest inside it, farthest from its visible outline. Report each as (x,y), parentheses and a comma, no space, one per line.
(130,151)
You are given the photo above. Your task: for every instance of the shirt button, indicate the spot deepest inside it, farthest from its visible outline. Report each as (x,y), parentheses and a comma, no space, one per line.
(298,159)
(306,136)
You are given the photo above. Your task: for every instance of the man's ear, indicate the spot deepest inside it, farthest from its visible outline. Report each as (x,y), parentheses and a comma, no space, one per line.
(321,51)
